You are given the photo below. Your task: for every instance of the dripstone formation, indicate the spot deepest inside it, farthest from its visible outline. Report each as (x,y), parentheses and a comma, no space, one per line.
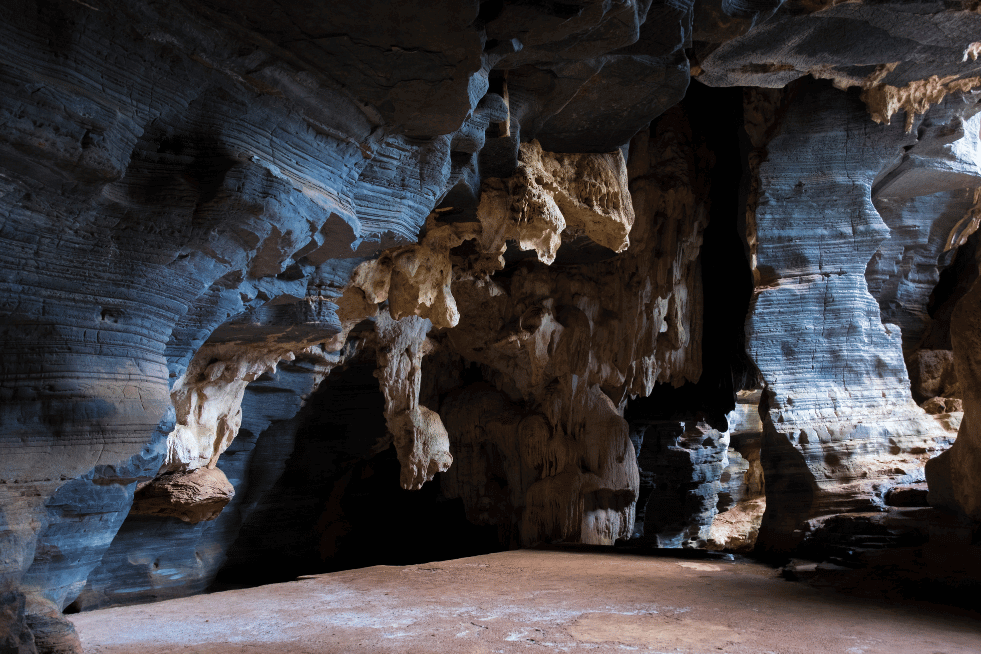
(277,278)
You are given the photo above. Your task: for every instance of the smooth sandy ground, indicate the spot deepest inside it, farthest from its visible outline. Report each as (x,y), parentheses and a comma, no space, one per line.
(534,601)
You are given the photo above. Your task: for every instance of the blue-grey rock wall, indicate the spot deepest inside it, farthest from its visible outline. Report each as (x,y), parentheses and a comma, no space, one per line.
(167,167)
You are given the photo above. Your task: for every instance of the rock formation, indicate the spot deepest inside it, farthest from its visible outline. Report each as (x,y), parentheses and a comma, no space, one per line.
(576,276)
(838,384)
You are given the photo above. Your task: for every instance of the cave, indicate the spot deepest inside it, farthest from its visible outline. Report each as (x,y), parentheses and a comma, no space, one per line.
(484,325)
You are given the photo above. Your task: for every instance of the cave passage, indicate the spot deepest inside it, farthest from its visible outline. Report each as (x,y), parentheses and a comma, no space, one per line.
(337,505)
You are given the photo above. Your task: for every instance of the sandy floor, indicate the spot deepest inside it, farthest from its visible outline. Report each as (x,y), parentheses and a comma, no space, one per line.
(533,601)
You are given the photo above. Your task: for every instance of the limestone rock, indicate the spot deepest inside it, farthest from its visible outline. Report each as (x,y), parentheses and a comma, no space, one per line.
(838,414)
(903,61)
(951,475)
(932,375)
(905,496)
(193,196)
(742,493)
(939,405)
(54,633)
(551,193)
(417,432)
(541,480)
(191,496)
(15,635)
(687,461)
(208,400)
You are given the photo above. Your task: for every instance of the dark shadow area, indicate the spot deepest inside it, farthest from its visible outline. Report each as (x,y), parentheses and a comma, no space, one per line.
(674,496)
(716,117)
(338,505)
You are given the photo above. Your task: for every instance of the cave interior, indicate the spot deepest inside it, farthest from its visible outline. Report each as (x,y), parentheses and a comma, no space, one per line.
(288,289)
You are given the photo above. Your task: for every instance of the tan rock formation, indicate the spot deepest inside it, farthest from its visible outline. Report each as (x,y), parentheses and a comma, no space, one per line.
(208,400)
(193,497)
(413,279)
(932,374)
(560,345)
(208,397)
(624,324)
(538,480)
(554,193)
(550,195)
(884,100)
(417,432)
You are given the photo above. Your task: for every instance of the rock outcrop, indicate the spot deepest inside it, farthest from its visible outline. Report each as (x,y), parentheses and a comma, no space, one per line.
(902,59)
(838,407)
(742,493)
(190,496)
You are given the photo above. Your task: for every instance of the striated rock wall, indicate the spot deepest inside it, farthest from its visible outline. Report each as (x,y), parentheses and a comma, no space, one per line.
(839,421)
(166,169)
(904,58)
(155,557)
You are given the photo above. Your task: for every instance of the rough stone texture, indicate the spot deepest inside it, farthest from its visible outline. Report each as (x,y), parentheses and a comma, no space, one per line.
(932,374)
(701,488)
(494,603)
(904,57)
(551,193)
(906,496)
(166,169)
(742,496)
(520,470)
(839,420)
(15,635)
(190,496)
(417,432)
(155,558)
(687,462)
(531,339)
(52,632)
(924,232)
(952,475)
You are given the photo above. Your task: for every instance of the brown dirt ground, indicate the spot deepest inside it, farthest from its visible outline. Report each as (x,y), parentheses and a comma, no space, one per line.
(534,601)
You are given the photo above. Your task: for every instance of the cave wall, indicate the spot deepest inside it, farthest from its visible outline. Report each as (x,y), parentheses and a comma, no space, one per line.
(840,412)
(201,198)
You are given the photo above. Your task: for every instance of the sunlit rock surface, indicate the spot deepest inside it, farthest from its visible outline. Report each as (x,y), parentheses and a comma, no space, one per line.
(839,417)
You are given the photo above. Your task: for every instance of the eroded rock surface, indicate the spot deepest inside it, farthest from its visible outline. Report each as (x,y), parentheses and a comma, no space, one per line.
(839,419)
(190,496)
(474,196)
(903,58)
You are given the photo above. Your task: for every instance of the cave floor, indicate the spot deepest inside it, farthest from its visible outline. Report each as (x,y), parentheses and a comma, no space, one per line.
(534,600)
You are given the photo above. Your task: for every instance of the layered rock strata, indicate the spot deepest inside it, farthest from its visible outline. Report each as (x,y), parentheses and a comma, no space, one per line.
(839,421)
(904,58)
(167,170)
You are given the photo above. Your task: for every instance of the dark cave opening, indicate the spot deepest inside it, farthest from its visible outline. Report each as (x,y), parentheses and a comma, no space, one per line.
(675,456)
(338,504)
(727,283)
